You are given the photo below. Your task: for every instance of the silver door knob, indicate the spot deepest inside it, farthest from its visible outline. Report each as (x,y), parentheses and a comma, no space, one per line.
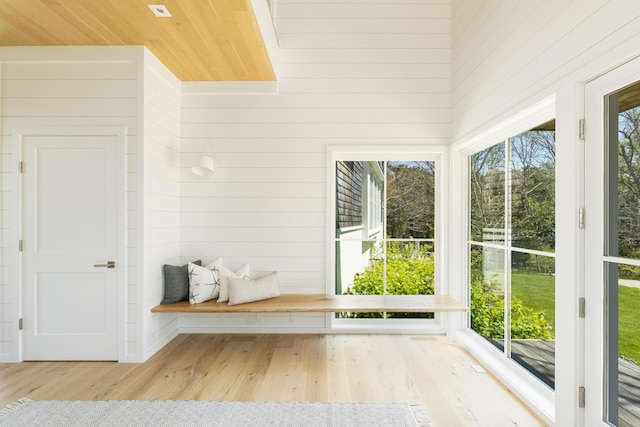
(109,264)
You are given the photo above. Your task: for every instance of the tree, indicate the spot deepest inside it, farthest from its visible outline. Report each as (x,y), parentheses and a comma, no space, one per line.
(410,199)
(533,189)
(487,170)
(629,183)
(527,211)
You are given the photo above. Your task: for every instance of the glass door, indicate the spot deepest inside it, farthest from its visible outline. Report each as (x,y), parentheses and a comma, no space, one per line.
(612,248)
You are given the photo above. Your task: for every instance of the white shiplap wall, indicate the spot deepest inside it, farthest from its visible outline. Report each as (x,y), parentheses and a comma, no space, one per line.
(353,72)
(71,87)
(506,54)
(506,57)
(161,218)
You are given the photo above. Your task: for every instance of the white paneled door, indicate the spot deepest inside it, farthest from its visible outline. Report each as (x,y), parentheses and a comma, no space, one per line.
(70,247)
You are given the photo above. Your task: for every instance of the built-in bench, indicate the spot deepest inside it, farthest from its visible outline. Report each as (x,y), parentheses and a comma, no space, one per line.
(291,303)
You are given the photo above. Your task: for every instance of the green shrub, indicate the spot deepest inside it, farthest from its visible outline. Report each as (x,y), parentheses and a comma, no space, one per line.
(406,275)
(487,311)
(409,272)
(487,316)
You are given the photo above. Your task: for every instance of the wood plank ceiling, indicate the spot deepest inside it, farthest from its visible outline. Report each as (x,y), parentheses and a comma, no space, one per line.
(203,40)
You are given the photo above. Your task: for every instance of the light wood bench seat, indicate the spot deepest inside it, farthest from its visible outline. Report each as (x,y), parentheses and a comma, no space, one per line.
(290,303)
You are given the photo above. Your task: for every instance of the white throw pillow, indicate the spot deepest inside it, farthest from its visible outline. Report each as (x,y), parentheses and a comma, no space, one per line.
(249,290)
(224,274)
(204,283)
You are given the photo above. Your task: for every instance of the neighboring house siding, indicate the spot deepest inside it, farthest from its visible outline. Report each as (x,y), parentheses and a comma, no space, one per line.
(85,89)
(349,181)
(350,73)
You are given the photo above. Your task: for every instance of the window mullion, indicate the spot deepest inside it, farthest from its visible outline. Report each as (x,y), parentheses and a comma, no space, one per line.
(507,250)
(383,208)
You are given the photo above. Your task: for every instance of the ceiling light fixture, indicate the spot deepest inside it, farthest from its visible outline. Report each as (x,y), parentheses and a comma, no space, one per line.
(160,10)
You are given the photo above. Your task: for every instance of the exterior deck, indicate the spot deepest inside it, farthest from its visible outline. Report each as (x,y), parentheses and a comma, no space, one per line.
(538,356)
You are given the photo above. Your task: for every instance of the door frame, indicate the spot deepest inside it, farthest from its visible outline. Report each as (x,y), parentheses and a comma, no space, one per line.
(594,92)
(18,135)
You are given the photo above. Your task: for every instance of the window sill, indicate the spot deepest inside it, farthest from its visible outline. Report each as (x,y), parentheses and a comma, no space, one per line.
(536,395)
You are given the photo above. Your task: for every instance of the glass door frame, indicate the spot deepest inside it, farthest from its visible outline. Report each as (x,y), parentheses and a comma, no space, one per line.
(596,338)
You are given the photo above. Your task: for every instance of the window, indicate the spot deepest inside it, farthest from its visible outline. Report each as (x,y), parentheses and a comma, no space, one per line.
(385,226)
(511,248)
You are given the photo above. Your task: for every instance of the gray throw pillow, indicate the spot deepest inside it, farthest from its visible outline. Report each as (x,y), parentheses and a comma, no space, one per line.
(176,283)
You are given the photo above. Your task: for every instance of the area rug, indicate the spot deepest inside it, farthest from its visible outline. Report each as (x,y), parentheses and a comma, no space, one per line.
(188,413)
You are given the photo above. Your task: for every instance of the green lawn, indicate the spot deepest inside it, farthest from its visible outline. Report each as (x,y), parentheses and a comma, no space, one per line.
(538,292)
(628,322)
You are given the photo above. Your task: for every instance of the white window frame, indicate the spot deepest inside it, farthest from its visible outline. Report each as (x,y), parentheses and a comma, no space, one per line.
(435,153)
(373,205)
(528,388)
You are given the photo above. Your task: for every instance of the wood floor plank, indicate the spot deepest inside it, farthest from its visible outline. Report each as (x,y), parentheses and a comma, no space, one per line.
(360,368)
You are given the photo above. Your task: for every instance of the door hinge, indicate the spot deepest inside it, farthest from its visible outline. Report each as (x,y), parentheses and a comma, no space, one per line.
(581,307)
(581,397)
(20,245)
(581,130)
(581,218)
(20,324)
(20,167)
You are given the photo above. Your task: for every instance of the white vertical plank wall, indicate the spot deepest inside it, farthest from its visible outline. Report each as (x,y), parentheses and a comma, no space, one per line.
(353,72)
(8,310)
(161,218)
(71,87)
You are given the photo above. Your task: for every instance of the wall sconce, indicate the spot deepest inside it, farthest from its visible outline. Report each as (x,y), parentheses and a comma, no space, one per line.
(204,167)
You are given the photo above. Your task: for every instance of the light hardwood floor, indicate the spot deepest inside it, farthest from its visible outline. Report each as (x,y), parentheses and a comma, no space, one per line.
(359,368)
